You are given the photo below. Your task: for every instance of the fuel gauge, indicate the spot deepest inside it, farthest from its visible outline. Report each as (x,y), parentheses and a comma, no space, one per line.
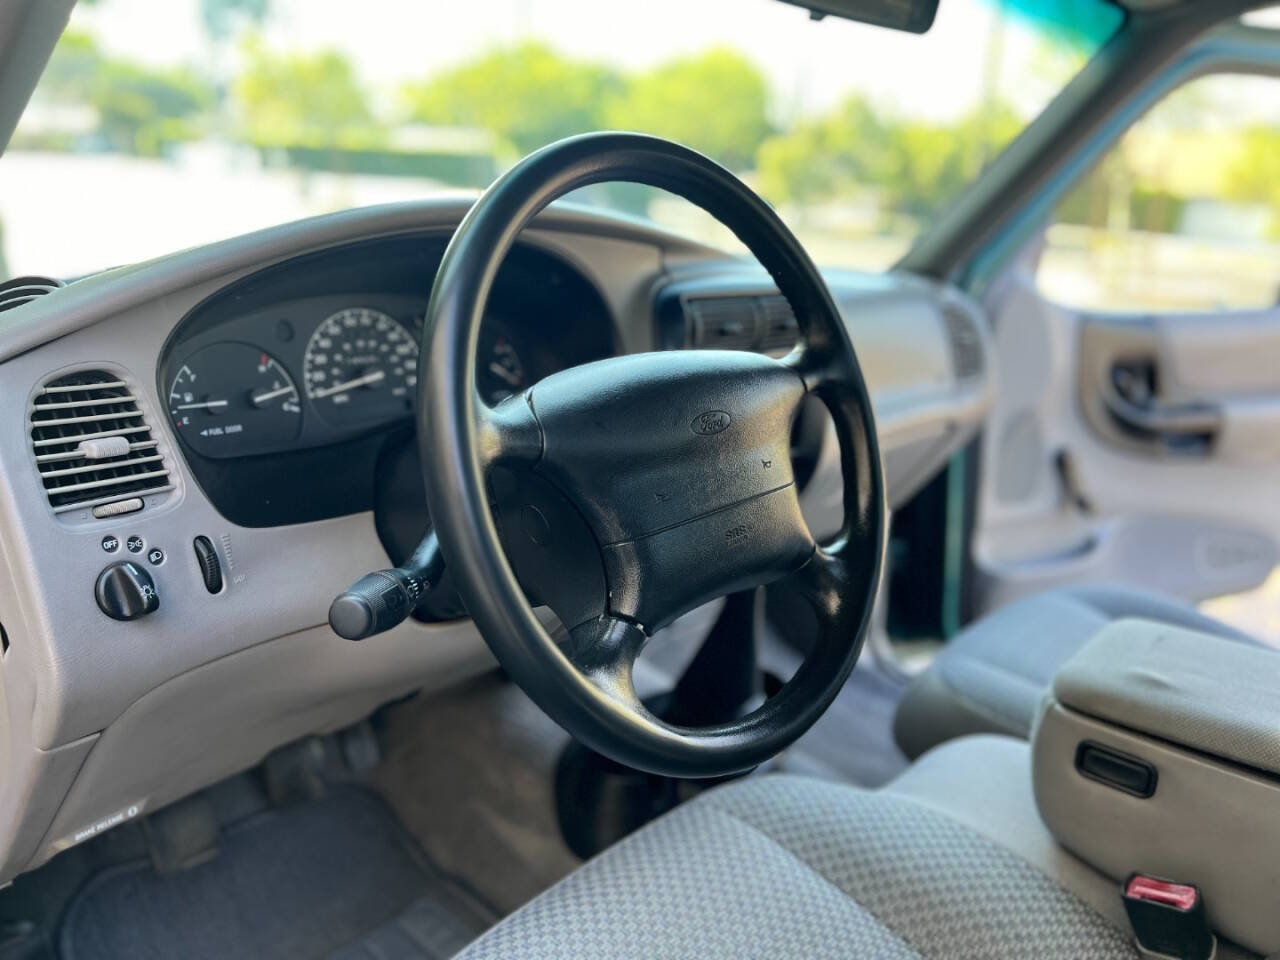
(232,399)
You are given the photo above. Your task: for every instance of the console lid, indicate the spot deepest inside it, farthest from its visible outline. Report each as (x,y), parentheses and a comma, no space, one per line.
(1220,697)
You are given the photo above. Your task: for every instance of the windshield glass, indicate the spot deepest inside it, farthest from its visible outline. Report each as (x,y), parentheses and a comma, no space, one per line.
(161,124)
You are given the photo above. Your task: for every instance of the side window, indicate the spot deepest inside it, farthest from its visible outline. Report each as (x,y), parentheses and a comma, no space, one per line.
(1184,213)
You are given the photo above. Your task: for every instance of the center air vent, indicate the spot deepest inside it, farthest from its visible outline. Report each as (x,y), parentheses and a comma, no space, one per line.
(966,341)
(92,444)
(765,324)
(22,290)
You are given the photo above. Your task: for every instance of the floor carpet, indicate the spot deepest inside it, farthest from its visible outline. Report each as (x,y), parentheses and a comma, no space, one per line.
(470,771)
(308,881)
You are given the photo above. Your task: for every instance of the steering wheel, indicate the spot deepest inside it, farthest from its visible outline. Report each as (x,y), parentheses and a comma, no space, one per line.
(677,462)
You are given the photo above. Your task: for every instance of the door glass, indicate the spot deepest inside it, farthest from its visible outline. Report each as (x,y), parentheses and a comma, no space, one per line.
(1183,214)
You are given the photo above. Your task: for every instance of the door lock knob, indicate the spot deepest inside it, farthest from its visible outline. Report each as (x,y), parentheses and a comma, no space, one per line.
(125,591)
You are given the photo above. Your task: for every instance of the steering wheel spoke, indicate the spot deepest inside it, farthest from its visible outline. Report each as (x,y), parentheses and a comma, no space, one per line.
(605,651)
(822,581)
(835,580)
(812,363)
(508,433)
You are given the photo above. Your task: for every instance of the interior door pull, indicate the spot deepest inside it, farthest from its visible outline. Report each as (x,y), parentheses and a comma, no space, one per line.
(1069,477)
(1180,419)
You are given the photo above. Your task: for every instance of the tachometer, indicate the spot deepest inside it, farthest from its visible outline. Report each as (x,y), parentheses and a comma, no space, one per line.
(230,399)
(361,364)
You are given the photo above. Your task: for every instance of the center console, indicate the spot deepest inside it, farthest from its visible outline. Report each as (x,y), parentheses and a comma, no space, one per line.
(1157,751)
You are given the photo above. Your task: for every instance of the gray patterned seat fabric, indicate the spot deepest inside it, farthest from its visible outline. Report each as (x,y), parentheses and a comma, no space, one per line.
(788,867)
(990,677)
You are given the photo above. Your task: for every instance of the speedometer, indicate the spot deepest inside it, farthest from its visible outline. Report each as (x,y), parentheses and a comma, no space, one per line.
(361,364)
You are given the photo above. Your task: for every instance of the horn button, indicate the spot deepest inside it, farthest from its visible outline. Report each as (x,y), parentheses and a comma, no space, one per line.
(680,463)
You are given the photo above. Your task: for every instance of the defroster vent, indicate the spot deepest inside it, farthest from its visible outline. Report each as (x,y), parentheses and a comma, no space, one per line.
(92,444)
(20,291)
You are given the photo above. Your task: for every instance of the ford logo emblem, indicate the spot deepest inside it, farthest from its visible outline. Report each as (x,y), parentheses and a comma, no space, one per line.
(710,423)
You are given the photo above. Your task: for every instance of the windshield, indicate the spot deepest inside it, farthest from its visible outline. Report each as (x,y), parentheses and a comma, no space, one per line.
(162,124)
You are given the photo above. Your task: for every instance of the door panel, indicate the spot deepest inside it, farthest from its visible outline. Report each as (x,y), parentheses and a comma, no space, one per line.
(1136,437)
(1188,386)
(1073,494)
(1227,354)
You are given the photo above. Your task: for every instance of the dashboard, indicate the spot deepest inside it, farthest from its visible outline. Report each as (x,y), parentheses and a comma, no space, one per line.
(232,425)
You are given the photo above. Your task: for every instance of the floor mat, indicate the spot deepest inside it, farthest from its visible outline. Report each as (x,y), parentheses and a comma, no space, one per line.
(852,741)
(303,882)
(423,931)
(469,771)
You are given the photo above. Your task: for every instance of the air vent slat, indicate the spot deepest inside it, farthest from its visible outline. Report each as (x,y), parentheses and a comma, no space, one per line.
(94,406)
(80,389)
(77,438)
(75,471)
(101,402)
(99,484)
(89,418)
(73,454)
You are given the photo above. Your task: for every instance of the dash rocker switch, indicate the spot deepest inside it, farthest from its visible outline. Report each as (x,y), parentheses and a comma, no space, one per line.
(210,568)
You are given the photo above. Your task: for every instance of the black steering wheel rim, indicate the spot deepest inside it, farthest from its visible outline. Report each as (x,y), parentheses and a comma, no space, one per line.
(459,436)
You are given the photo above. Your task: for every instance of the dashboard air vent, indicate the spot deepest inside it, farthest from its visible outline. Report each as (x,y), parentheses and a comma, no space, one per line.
(765,324)
(92,444)
(22,290)
(779,329)
(966,342)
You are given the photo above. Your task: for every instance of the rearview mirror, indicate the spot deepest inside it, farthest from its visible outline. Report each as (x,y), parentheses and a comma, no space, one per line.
(914,16)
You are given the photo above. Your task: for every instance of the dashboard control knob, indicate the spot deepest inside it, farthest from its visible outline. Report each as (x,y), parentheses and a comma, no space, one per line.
(210,568)
(125,591)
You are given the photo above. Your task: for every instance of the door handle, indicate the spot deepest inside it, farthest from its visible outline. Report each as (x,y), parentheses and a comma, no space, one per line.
(1129,396)
(1183,419)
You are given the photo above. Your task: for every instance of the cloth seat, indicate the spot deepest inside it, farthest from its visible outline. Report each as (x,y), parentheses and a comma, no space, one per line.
(990,677)
(951,860)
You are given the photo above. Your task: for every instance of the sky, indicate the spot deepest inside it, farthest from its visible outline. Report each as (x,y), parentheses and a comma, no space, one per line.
(811,65)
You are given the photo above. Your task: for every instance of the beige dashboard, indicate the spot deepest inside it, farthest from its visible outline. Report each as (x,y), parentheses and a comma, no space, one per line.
(103,720)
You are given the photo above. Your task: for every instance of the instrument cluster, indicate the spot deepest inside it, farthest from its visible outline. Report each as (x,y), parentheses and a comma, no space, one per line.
(325,373)
(288,387)
(327,368)
(319,370)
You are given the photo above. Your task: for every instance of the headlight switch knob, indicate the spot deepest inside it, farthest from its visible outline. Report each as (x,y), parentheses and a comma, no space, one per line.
(125,591)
